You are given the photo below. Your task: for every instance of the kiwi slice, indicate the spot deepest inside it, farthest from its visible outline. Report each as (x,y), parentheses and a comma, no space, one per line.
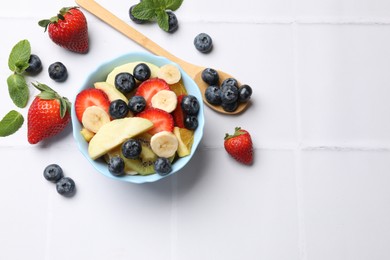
(144,165)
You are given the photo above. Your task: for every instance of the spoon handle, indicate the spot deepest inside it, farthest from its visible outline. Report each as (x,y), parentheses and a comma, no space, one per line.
(118,24)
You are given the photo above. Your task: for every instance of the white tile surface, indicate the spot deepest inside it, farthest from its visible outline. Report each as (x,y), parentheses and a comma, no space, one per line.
(343,81)
(319,122)
(351,10)
(345,204)
(223,221)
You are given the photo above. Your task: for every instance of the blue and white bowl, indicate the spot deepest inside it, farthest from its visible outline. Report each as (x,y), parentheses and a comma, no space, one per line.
(100,74)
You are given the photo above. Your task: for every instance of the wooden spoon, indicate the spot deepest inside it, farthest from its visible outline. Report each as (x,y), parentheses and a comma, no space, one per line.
(191,69)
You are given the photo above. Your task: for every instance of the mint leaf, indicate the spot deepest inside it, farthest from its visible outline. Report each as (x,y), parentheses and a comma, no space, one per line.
(173,5)
(153,9)
(162,20)
(10,123)
(19,56)
(18,90)
(145,10)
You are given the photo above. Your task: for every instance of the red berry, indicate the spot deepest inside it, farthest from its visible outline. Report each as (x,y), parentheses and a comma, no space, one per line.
(68,29)
(162,120)
(239,146)
(90,97)
(149,88)
(47,116)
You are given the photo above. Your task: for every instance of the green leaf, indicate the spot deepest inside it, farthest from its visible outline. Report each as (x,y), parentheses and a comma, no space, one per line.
(47,95)
(63,107)
(145,10)
(10,123)
(18,90)
(162,20)
(21,66)
(42,87)
(173,4)
(19,56)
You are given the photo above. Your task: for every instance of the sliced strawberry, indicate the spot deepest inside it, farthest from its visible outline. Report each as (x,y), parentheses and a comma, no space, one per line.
(90,97)
(148,88)
(162,121)
(178,114)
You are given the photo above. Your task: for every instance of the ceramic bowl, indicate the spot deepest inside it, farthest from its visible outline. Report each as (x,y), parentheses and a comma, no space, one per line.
(100,74)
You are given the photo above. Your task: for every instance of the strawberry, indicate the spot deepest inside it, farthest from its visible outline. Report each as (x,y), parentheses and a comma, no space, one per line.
(149,87)
(178,114)
(162,120)
(68,29)
(90,97)
(239,146)
(48,114)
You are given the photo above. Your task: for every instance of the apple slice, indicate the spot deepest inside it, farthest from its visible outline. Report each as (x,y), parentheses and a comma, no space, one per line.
(111,91)
(129,67)
(115,133)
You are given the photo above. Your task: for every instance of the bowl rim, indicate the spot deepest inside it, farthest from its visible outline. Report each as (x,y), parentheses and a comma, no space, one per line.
(108,66)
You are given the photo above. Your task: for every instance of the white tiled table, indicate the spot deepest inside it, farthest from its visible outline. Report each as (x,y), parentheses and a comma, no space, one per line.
(319,188)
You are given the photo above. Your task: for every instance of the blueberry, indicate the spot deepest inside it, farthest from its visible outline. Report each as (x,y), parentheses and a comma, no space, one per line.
(173,23)
(244,93)
(210,76)
(136,20)
(203,42)
(213,95)
(34,64)
(141,72)
(190,105)
(162,166)
(118,109)
(131,149)
(229,107)
(116,166)
(53,173)
(191,122)
(229,94)
(125,82)
(229,81)
(137,104)
(66,187)
(58,72)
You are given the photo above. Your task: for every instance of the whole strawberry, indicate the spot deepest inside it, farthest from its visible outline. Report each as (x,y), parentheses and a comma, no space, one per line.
(48,114)
(239,146)
(68,29)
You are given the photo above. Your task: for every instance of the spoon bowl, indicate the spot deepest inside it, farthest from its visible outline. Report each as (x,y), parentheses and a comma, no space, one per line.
(192,70)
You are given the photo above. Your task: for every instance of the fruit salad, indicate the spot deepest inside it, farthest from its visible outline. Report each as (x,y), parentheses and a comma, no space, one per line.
(140,120)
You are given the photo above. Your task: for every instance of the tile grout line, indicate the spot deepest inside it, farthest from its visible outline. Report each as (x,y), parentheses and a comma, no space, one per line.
(174,224)
(276,20)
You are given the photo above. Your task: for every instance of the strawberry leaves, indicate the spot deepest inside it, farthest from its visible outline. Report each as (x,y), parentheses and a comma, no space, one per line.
(60,16)
(49,94)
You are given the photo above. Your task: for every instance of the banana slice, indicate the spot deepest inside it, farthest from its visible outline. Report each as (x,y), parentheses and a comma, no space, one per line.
(164,144)
(165,100)
(170,73)
(94,117)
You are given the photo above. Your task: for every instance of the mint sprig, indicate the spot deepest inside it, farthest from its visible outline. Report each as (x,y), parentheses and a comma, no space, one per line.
(155,10)
(18,63)
(10,123)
